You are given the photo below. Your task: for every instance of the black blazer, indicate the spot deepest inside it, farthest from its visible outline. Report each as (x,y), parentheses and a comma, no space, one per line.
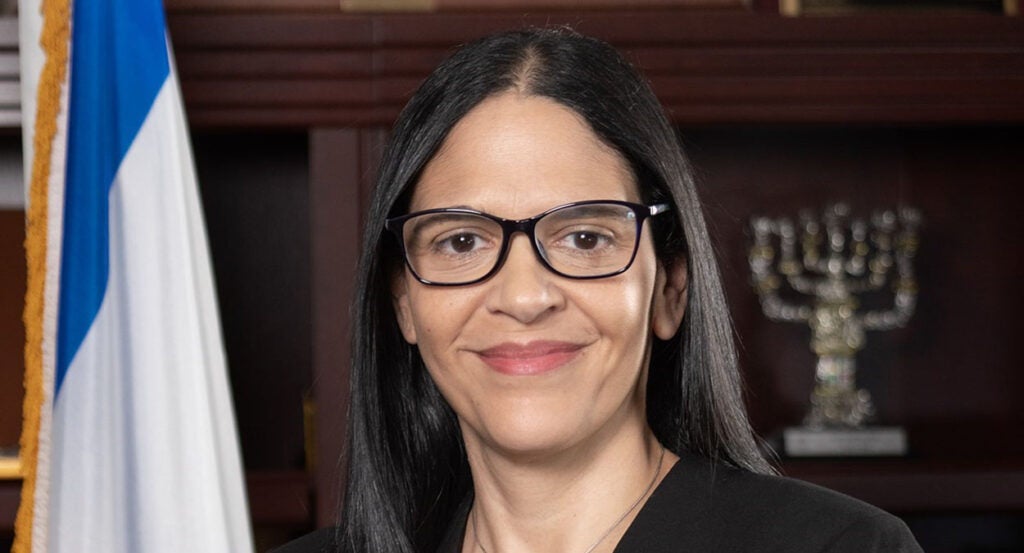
(702,507)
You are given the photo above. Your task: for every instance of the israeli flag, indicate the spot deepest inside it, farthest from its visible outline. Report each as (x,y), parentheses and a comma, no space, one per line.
(136,449)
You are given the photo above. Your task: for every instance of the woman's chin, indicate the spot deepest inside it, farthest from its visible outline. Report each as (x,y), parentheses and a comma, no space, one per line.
(528,451)
(532,437)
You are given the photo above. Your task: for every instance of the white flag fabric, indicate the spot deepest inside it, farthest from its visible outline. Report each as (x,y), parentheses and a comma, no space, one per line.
(137,448)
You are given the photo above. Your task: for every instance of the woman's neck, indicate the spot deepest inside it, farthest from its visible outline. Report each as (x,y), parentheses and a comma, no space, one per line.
(564,501)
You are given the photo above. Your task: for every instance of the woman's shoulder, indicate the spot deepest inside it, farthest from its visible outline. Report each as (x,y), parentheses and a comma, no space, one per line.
(785,510)
(320,541)
(712,507)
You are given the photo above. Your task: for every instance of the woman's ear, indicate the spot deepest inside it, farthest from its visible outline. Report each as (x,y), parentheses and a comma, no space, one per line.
(669,303)
(400,301)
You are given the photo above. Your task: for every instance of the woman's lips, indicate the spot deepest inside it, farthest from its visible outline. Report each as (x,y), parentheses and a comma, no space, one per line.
(530,358)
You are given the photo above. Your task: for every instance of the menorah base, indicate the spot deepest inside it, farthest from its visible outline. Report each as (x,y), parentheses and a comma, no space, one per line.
(869,441)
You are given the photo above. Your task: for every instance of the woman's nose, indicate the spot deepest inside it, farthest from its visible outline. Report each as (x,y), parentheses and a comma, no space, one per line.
(524,288)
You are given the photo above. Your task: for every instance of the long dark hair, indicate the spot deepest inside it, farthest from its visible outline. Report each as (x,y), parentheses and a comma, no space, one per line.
(407,470)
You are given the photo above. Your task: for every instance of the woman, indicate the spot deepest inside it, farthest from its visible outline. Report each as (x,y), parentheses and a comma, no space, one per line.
(543,357)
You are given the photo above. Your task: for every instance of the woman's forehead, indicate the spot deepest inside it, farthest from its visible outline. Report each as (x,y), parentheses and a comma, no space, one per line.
(525,153)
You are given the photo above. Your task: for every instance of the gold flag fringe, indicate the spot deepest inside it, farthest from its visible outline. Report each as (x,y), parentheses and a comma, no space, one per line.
(54,40)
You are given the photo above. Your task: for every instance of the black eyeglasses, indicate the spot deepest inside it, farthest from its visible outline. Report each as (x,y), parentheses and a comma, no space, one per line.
(582,240)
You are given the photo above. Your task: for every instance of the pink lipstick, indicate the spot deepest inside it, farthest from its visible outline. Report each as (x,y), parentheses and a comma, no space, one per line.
(530,358)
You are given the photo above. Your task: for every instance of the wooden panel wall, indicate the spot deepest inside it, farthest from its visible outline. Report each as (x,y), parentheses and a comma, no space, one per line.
(708,67)
(256,201)
(378,6)
(951,375)
(12,331)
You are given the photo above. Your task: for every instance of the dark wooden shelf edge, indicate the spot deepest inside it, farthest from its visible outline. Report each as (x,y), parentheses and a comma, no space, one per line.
(918,486)
(284,498)
(297,119)
(298,71)
(276,498)
(281,70)
(331,7)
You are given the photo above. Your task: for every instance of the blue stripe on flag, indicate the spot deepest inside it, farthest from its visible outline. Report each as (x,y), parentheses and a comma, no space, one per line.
(118,65)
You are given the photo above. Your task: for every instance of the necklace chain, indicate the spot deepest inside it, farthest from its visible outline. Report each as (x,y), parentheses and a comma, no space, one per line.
(647,490)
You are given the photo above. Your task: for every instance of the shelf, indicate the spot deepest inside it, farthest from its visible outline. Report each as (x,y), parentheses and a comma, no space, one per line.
(300,70)
(284,498)
(332,6)
(906,485)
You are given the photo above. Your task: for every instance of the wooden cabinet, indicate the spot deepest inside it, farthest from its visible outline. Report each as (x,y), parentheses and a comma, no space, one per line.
(290,108)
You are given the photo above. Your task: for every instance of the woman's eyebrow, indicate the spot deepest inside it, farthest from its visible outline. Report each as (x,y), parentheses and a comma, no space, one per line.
(460,206)
(591,210)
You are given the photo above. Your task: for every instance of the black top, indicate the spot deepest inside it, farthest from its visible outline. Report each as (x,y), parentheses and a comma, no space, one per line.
(702,507)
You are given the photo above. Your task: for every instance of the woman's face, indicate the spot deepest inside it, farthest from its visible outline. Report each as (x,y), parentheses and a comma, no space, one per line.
(533,362)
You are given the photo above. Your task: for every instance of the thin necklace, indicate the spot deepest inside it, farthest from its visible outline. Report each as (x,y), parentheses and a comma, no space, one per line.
(650,485)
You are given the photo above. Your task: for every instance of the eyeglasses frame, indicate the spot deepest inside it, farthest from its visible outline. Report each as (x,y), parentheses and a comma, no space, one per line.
(526,226)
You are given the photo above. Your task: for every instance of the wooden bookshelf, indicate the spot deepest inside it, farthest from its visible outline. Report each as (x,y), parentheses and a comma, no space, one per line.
(290,103)
(921,486)
(708,67)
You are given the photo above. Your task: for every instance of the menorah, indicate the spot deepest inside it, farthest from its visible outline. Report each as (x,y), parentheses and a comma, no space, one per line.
(834,260)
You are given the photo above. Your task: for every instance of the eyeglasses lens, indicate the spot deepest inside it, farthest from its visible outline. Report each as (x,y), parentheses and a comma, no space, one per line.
(449,248)
(588,240)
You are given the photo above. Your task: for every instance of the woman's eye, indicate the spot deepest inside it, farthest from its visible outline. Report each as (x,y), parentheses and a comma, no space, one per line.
(584,240)
(460,243)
